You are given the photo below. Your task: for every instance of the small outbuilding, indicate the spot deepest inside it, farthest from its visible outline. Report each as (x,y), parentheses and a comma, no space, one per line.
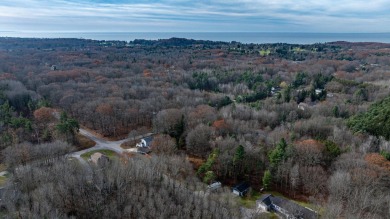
(214,186)
(241,189)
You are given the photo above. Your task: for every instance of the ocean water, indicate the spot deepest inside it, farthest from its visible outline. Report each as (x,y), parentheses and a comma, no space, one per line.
(244,37)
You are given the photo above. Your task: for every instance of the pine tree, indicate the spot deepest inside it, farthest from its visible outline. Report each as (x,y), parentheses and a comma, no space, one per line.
(267,178)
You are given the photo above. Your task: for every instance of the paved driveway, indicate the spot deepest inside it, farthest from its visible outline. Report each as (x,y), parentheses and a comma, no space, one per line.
(104,144)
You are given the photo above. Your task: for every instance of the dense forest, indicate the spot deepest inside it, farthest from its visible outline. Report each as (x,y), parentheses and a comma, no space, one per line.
(310,122)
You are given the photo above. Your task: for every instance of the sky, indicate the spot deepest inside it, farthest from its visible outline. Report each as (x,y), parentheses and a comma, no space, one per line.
(334,16)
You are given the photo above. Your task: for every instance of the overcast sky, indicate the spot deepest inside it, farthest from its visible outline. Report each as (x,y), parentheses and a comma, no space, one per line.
(195,16)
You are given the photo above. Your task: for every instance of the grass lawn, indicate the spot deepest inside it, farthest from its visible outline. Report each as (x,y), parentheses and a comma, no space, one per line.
(109,153)
(3,180)
(84,142)
(129,144)
(250,201)
(297,49)
(264,52)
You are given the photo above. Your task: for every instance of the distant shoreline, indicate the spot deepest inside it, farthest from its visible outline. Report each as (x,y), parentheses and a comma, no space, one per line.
(243,37)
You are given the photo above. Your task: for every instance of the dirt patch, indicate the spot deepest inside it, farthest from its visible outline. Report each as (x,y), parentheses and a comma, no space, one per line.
(83,142)
(129,144)
(195,161)
(97,134)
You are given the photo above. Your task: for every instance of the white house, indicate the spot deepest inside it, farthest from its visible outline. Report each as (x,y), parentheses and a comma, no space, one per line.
(145,142)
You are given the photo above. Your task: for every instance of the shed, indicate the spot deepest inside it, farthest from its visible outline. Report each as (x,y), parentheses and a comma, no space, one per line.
(214,186)
(241,189)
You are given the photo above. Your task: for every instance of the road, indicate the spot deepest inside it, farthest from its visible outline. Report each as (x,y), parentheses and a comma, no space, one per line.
(104,144)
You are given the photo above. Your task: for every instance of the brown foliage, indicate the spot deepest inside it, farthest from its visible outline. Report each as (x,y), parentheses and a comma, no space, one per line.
(44,114)
(377,160)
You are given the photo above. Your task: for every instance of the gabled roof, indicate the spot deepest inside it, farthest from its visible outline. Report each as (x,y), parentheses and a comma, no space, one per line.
(293,208)
(143,150)
(265,199)
(148,140)
(242,187)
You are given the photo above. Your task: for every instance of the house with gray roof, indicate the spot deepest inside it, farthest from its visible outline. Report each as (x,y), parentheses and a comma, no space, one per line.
(285,208)
(145,142)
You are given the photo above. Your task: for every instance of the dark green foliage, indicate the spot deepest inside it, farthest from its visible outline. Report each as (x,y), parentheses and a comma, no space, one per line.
(68,127)
(177,132)
(239,155)
(202,81)
(20,122)
(259,95)
(5,113)
(332,149)
(375,121)
(43,103)
(320,96)
(301,96)
(319,81)
(209,177)
(223,102)
(386,155)
(20,102)
(300,79)
(239,162)
(251,79)
(360,95)
(205,167)
(5,140)
(267,179)
(279,153)
(336,111)
(286,94)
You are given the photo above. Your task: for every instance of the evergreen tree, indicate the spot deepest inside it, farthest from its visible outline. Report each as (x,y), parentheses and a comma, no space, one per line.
(267,178)
(279,153)
(68,127)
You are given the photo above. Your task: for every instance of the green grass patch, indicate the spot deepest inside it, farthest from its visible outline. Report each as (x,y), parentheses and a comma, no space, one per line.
(265,52)
(250,200)
(297,49)
(3,181)
(109,153)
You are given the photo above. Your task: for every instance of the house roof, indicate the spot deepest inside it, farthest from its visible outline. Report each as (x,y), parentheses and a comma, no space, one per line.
(265,199)
(242,187)
(143,150)
(148,140)
(293,208)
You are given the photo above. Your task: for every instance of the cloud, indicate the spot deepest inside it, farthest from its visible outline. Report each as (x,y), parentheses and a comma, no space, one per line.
(202,15)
